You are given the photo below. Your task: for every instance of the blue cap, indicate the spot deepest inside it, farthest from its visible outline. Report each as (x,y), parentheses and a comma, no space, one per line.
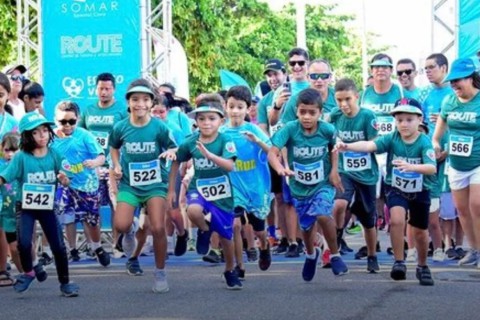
(32,120)
(461,68)
(407,105)
(255,99)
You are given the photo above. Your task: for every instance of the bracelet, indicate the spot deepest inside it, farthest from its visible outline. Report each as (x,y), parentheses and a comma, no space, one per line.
(276,107)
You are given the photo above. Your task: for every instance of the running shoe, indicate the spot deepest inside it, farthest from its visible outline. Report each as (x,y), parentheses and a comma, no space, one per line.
(212,256)
(310,266)
(240,273)
(339,268)
(181,244)
(231,278)
(424,276)
(282,247)
(411,255)
(40,273)
(399,271)
(470,258)
(265,259)
(372,265)
(292,251)
(23,282)
(451,254)
(252,255)
(133,267)
(69,289)
(344,248)
(326,259)
(45,259)
(103,257)
(354,229)
(362,253)
(438,255)
(203,241)
(460,252)
(74,255)
(160,284)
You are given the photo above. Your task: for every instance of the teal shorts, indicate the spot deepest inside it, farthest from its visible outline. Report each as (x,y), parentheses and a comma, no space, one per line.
(135,200)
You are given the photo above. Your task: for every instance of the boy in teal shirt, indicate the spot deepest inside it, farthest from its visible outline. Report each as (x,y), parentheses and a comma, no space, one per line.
(308,142)
(358,170)
(210,190)
(410,165)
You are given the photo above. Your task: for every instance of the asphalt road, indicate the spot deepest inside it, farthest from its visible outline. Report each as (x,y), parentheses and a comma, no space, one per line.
(197,291)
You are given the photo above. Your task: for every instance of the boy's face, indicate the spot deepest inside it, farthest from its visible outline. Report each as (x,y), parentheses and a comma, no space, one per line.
(32,104)
(236,110)
(66,121)
(407,124)
(308,115)
(208,123)
(347,101)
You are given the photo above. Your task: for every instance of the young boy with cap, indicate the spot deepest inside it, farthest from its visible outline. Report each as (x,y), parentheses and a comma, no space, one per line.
(410,165)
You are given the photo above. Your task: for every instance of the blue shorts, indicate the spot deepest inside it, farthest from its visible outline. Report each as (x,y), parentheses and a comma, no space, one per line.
(417,205)
(222,221)
(286,194)
(309,209)
(75,206)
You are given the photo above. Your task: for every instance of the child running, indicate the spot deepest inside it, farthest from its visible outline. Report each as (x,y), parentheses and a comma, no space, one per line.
(309,142)
(251,176)
(37,169)
(410,165)
(80,201)
(210,193)
(358,170)
(136,144)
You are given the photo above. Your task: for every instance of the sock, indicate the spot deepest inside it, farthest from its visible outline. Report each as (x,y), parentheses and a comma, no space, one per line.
(294,242)
(30,274)
(271,231)
(160,270)
(95,245)
(311,256)
(334,255)
(193,233)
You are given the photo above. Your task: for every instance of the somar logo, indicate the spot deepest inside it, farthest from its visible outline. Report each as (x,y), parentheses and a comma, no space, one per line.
(375,125)
(431,154)
(230,146)
(73,87)
(88,8)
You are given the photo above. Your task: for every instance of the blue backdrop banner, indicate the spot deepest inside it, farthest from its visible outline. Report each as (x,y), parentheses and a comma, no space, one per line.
(468,28)
(83,38)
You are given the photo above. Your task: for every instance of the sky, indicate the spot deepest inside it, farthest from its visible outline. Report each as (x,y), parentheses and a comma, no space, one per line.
(404,25)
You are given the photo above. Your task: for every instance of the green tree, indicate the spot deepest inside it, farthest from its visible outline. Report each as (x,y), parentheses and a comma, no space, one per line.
(8,31)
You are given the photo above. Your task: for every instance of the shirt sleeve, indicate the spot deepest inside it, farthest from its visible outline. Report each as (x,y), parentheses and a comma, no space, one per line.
(280,138)
(261,135)
(445,108)
(289,110)
(383,143)
(372,126)
(428,153)
(115,140)
(13,170)
(183,152)
(92,145)
(262,110)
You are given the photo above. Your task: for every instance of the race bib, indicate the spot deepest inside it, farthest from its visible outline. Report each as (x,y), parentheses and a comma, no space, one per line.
(408,182)
(38,196)
(309,174)
(275,128)
(214,188)
(460,145)
(386,125)
(144,173)
(356,161)
(102,138)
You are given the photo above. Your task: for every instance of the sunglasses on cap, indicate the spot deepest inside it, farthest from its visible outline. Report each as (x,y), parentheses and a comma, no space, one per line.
(292,64)
(407,72)
(17,77)
(71,122)
(316,76)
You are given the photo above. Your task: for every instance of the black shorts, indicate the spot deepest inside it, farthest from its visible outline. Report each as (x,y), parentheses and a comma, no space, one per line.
(276,181)
(11,237)
(257,224)
(417,205)
(361,200)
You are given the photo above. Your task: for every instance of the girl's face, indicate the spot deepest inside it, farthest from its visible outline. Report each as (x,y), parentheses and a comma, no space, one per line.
(32,104)
(41,136)
(66,121)
(159,111)
(208,123)
(3,97)
(140,104)
(9,152)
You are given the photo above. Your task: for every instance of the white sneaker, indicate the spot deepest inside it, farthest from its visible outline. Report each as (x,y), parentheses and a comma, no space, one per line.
(411,255)
(160,284)
(470,259)
(438,255)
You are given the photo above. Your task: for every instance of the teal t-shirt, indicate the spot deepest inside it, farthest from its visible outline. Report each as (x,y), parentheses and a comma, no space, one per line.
(463,120)
(251,176)
(412,94)
(382,104)
(77,148)
(431,100)
(290,109)
(419,152)
(144,173)
(210,180)
(7,124)
(100,121)
(181,120)
(360,166)
(26,168)
(8,191)
(263,107)
(308,156)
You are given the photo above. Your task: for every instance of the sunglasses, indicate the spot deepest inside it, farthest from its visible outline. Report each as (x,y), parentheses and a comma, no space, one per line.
(316,76)
(17,77)
(71,122)
(292,64)
(407,72)
(10,150)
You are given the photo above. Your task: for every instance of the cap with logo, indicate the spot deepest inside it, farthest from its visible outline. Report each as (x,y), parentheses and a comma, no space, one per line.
(407,105)
(461,68)
(30,121)
(273,65)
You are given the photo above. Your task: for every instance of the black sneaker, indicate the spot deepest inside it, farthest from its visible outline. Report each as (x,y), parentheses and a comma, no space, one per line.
(233,283)
(133,267)
(212,256)
(103,257)
(460,253)
(301,247)
(118,245)
(240,273)
(310,266)
(282,247)
(344,248)
(451,254)
(265,259)
(424,276)
(292,251)
(362,253)
(45,259)
(399,271)
(378,247)
(40,273)
(203,241)
(181,245)
(74,255)
(252,255)
(372,265)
